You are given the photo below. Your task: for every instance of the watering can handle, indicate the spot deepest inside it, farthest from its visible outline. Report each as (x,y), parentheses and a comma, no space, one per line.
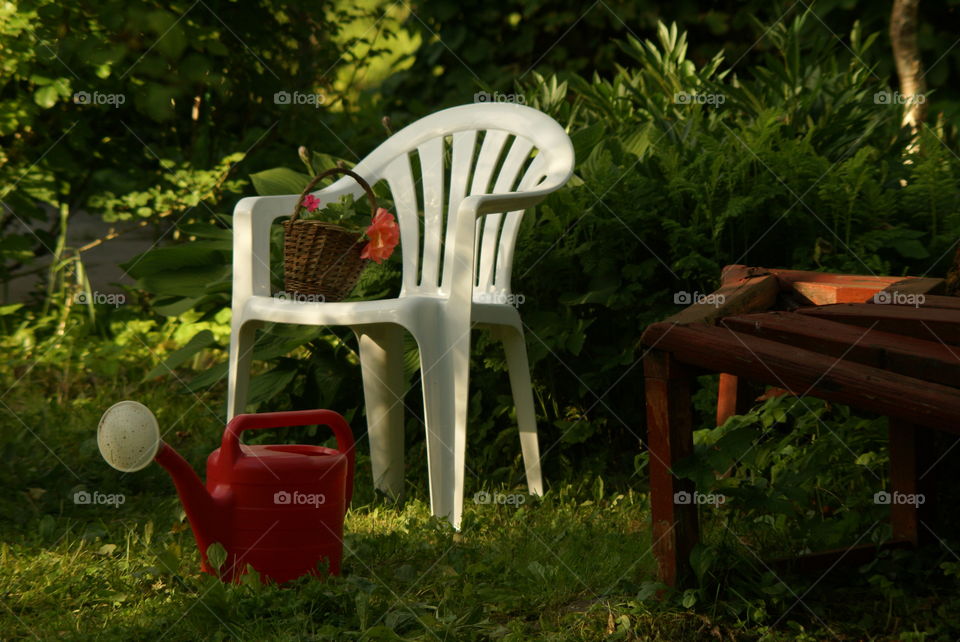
(230,447)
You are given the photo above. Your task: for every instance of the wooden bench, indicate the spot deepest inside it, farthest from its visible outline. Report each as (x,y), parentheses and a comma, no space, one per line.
(882,344)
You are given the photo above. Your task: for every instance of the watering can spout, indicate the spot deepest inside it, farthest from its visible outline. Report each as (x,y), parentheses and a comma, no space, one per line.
(129,439)
(205,513)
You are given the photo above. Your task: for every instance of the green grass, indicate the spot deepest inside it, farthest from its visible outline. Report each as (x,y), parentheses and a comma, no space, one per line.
(575,565)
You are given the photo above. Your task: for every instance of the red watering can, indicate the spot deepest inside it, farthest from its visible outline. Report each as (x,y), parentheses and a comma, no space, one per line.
(279,508)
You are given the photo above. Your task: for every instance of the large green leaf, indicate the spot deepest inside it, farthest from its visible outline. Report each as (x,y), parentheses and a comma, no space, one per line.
(175,305)
(198,342)
(192,282)
(164,259)
(207,231)
(265,386)
(279,181)
(208,378)
(279,343)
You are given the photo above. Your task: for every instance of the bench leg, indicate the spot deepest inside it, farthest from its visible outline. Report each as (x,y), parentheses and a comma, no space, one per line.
(735,397)
(911,455)
(670,439)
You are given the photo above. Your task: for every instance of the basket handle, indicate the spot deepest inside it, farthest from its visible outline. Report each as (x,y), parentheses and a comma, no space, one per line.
(331,172)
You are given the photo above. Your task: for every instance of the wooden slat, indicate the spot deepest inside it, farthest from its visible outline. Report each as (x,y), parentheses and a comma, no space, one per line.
(927,360)
(841,558)
(806,372)
(789,277)
(828,293)
(947,302)
(746,295)
(911,285)
(932,324)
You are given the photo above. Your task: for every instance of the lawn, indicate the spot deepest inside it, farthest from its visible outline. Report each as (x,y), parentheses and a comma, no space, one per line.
(575,565)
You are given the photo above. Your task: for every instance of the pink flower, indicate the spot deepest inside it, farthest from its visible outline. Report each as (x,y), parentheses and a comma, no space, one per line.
(384,234)
(311,202)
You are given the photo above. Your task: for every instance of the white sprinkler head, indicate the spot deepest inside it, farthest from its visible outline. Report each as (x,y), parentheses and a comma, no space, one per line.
(128,436)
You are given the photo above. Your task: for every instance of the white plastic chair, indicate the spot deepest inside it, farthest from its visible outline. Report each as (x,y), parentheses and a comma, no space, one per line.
(456,274)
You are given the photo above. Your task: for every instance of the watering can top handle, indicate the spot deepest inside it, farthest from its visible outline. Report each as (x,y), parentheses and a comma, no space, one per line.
(230,446)
(293,418)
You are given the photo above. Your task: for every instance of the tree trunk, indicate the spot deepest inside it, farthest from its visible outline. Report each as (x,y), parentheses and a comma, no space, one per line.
(906,54)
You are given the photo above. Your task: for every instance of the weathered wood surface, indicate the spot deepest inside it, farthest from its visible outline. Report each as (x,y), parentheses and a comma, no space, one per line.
(737,297)
(805,372)
(918,285)
(909,356)
(933,324)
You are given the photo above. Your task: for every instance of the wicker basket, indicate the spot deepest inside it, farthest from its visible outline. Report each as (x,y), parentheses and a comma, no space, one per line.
(321,258)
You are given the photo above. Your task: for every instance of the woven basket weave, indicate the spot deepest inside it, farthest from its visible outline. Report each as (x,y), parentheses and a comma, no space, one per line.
(321,258)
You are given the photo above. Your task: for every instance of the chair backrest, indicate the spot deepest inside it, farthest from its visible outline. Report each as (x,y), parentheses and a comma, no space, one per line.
(434,163)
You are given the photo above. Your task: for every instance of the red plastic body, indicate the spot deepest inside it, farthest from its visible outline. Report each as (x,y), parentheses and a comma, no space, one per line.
(279,508)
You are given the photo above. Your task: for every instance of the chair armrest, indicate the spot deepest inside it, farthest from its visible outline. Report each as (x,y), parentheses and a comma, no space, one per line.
(471,208)
(483,204)
(252,218)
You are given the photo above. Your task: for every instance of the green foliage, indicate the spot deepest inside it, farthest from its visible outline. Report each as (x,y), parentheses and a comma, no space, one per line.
(682,169)
(136,112)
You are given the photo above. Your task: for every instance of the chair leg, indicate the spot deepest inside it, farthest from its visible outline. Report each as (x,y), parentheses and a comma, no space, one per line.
(520,384)
(381,351)
(444,369)
(238,378)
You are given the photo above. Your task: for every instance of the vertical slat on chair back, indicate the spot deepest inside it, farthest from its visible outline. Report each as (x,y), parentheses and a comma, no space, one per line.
(462,152)
(450,168)
(492,250)
(432,176)
(399,175)
(534,174)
